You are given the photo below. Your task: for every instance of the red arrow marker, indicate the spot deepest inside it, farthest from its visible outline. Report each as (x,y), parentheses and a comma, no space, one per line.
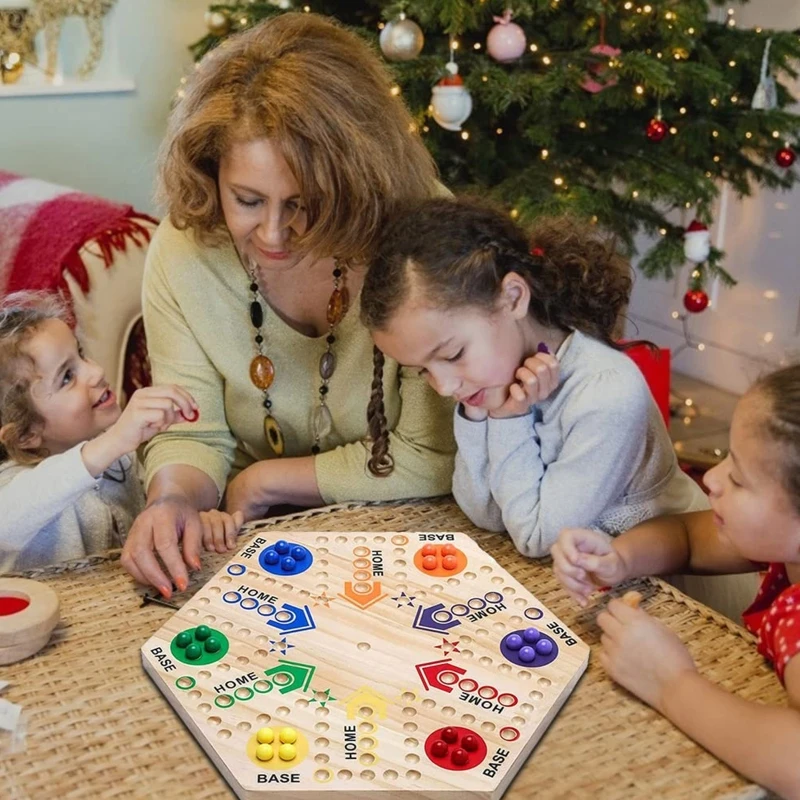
(430,674)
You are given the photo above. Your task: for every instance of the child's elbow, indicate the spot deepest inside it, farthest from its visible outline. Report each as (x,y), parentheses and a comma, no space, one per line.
(531,542)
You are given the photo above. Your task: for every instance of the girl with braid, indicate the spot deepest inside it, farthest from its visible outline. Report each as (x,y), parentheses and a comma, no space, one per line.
(555,426)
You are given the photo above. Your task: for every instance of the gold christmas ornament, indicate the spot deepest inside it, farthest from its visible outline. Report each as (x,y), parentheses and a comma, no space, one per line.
(402,39)
(10,67)
(218,23)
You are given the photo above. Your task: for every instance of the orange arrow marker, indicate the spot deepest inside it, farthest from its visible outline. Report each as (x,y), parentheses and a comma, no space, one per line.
(363,595)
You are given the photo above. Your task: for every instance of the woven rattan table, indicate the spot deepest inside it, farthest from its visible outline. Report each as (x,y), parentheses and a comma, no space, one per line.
(98,729)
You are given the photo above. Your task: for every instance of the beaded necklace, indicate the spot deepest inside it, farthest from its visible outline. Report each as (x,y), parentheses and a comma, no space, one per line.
(262,370)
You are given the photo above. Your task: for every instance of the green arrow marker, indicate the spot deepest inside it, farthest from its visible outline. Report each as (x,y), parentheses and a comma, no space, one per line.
(300,675)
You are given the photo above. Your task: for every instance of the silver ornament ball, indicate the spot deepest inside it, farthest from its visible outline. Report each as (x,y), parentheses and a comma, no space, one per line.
(401,40)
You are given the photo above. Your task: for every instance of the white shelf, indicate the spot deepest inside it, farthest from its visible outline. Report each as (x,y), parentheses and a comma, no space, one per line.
(38,86)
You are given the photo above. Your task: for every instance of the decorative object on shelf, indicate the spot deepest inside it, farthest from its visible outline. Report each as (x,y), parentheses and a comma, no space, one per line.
(600,74)
(17,34)
(402,39)
(11,66)
(656,129)
(218,23)
(785,157)
(49,15)
(765,97)
(695,301)
(451,102)
(506,40)
(696,242)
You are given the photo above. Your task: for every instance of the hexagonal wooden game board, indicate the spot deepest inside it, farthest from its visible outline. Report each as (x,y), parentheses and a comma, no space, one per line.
(367,665)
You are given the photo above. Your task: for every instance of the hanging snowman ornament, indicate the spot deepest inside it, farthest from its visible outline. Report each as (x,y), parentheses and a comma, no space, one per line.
(696,242)
(451,102)
(506,40)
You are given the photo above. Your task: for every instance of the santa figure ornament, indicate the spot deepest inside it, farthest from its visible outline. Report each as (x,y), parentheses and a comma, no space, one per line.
(696,242)
(451,102)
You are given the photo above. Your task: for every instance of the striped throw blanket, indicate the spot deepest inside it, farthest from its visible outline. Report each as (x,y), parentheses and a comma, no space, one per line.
(44,226)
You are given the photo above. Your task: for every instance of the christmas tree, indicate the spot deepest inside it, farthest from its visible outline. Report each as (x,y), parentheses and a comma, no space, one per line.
(631,114)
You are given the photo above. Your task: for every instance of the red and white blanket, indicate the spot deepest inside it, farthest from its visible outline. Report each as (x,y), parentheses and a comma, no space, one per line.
(44,226)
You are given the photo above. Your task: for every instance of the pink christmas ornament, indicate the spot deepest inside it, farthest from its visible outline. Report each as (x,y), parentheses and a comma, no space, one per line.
(506,40)
(600,76)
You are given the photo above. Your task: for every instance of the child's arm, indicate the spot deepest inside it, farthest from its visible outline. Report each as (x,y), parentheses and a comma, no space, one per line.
(586,559)
(535,380)
(32,497)
(650,661)
(593,469)
(149,411)
(471,474)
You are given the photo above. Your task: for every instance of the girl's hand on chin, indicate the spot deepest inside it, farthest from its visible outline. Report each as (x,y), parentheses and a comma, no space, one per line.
(536,380)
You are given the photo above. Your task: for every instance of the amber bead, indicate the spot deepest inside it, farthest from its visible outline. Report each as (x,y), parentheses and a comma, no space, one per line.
(262,372)
(337,306)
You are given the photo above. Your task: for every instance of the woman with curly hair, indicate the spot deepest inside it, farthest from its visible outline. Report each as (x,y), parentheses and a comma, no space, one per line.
(555,426)
(282,164)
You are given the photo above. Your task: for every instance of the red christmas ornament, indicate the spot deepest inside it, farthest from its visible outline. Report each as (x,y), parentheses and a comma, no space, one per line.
(695,301)
(785,157)
(656,129)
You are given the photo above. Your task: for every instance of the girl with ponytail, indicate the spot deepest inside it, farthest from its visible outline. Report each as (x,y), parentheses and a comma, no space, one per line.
(555,426)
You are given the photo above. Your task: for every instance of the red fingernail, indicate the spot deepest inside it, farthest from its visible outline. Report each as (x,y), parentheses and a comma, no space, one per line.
(193,417)
(165,590)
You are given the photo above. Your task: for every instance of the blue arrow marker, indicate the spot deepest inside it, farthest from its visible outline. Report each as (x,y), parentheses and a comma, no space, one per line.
(425,619)
(301,620)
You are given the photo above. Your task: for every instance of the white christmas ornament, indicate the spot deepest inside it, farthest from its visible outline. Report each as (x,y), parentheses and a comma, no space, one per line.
(696,242)
(401,40)
(506,40)
(765,97)
(452,103)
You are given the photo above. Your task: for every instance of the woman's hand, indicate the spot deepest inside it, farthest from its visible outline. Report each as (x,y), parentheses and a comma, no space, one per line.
(247,492)
(157,531)
(536,380)
(584,560)
(220,529)
(640,653)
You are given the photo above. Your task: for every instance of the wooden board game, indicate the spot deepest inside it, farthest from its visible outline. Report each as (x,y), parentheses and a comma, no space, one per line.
(366,665)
